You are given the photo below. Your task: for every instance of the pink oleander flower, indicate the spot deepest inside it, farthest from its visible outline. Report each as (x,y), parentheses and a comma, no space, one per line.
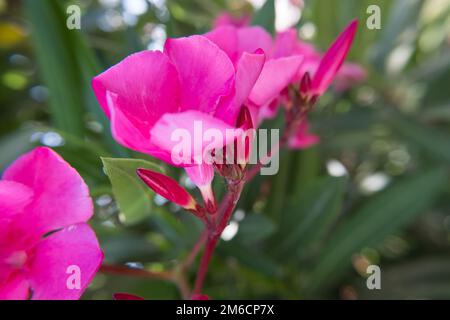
(277,74)
(227,19)
(150,94)
(44,237)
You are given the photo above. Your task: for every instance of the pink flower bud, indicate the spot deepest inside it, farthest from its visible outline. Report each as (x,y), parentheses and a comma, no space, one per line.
(333,59)
(244,145)
(305,84)
(167,188)
(126,296)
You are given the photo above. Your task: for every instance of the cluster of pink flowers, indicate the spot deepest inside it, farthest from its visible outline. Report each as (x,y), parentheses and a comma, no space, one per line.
(210,78)
(233,77)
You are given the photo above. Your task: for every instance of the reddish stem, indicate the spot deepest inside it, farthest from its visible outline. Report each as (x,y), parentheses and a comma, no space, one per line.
(204,264)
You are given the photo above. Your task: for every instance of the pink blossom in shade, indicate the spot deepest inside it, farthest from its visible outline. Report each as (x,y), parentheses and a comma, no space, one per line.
(349,75)
(149,94)
(278,72)
(227,19)
(44,207)
(302,139)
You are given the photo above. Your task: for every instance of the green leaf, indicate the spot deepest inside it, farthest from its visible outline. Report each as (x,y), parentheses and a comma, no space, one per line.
(67,65)
(305,168)
(279,187)
(384,214)
(133,197)
(249,257)
(265,16)
(254,227)
(307,218)
(403,15)
(57,65)
(434,142)
(423,278)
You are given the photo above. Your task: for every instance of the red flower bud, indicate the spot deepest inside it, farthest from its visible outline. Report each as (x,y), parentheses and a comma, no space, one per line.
(305,84)
(126,296)
(245,123)
(167,188)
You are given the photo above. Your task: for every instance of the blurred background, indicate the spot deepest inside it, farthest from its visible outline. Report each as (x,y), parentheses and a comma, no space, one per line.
(374,191)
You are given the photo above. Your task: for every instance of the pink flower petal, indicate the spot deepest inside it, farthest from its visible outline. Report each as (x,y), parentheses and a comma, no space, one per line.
(287,44)
(125,133)
(61,197)
(251,39)
(333,59)
(248,71)
(58,260)
(226,19)
(135,93)
(206,73)
(16,288)
(146,85)
(349,75)
(194,133)
(275,76)
(14,197)
(302,138)
(225,38)
(201,175)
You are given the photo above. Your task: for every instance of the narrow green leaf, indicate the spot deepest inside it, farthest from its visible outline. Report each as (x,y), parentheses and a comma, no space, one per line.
(387,212)
(250,258)
(57,64)
(436,143)
(403,15)
(279,186)
(307,218)
(134,198)
(254,228)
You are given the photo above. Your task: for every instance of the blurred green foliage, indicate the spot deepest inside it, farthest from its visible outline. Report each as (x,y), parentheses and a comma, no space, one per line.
(375,191)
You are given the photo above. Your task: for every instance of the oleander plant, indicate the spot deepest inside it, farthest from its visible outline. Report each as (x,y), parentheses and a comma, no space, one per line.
(213,149)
